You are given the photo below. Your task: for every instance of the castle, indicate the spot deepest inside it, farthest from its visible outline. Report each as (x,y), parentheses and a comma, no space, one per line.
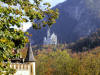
(27,67)
(50,39)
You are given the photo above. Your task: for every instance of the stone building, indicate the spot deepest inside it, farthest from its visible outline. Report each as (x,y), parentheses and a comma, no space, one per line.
(26,67)
(50,39)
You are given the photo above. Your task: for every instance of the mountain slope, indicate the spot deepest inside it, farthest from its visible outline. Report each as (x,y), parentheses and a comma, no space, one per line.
(86,43)
(76,20)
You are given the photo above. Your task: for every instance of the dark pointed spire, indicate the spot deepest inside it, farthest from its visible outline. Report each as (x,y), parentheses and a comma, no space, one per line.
(29,56)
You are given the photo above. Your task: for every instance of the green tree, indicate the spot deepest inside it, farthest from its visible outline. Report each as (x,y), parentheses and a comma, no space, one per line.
(89,65)
(56,63)
(11,38)
(60,62)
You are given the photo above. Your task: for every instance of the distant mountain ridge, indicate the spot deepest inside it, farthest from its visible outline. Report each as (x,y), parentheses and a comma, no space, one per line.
(86,43)
(76,20)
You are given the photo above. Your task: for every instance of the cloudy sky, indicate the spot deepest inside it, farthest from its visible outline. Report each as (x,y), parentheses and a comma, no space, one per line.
(52,2)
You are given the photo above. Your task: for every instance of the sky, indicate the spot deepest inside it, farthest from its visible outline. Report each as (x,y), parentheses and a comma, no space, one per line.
(52,2)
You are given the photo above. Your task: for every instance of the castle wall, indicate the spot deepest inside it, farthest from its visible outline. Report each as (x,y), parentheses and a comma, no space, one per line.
(24,68)
(34,68)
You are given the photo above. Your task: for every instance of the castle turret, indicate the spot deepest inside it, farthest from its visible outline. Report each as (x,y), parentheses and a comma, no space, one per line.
(30,59)
(30,56)
(48,33)
(27,67)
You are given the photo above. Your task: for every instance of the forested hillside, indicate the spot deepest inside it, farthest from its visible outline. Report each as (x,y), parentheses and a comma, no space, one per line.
(58,60)
(86,43)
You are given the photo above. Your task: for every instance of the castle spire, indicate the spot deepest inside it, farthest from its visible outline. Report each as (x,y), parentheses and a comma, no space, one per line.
(48,33)
(29,56)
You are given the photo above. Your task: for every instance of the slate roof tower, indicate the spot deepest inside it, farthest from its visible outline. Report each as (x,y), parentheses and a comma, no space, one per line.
(29,56)
(30,59)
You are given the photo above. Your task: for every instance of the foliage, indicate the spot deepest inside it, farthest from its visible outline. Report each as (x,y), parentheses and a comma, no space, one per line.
(60,62)
(55,63)
(12,39)
(5,69)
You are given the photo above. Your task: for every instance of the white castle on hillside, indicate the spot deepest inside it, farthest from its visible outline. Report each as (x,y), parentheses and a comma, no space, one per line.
(50,39)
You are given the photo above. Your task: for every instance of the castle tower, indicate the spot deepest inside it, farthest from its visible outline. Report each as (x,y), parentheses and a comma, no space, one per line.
(54,39)
(27,67)
(30,59)
(48,33)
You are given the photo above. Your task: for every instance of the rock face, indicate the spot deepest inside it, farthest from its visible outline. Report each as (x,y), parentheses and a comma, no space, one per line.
(77,18)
